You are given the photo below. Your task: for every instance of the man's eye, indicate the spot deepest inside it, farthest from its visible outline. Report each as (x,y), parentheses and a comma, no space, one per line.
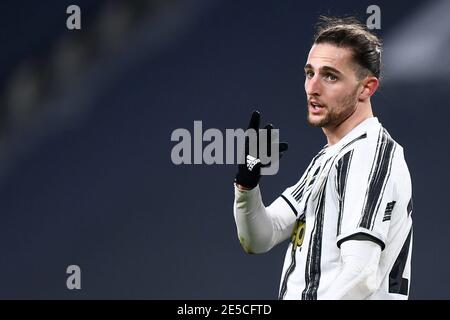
(309,74)
(331,77)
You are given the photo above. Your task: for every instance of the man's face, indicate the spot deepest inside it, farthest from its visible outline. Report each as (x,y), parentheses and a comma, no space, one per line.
(331,85)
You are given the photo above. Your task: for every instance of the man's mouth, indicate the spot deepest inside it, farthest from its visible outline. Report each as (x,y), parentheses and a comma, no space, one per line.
(315,107)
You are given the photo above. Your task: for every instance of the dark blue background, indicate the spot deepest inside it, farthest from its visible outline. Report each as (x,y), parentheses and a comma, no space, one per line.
(102,193)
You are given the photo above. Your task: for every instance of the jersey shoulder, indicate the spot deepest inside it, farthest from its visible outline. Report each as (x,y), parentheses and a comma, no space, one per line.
(373,141)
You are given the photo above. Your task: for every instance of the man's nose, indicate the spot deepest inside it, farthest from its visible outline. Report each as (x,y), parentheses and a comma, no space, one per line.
(313,86)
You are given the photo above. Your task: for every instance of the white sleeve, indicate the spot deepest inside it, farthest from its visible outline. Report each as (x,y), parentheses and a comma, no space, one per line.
(260,228)
(357,279)
(367,191)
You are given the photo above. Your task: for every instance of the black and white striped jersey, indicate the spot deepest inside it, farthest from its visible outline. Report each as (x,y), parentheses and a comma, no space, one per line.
(358,187)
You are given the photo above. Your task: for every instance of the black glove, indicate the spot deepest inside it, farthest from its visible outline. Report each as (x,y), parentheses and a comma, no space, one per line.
(249,173)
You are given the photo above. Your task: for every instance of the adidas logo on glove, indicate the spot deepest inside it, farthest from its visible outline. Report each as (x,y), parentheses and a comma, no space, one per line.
(251,162)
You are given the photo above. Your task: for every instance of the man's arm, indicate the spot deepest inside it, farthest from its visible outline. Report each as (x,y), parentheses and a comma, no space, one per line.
(357,279)
(260,228)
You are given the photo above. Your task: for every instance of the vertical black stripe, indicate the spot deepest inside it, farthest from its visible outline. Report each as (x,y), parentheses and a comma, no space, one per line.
(289,271)
(379,175)
(310,184)
(312,270)
(311,165)
(343,167)
(410,206)
(384,186)
(298,191)
(297,233)
(398,284)
(375,163)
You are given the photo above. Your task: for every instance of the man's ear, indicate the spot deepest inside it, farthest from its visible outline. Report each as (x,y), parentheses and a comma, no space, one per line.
(369,86)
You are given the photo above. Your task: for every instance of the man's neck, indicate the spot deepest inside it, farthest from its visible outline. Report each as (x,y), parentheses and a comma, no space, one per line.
(336,133)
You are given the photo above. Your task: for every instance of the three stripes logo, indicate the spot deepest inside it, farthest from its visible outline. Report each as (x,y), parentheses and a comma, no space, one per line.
(251,162)
(388,211)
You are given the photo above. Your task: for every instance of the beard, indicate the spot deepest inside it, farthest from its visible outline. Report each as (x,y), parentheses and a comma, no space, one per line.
(334,116)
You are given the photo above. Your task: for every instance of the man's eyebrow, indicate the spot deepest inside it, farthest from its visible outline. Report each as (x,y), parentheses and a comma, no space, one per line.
(324,68)
(327,68)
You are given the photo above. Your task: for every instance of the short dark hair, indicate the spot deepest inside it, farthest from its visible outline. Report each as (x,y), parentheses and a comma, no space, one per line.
(350,33)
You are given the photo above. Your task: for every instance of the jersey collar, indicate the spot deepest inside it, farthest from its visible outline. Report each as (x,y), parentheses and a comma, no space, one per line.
(362,128)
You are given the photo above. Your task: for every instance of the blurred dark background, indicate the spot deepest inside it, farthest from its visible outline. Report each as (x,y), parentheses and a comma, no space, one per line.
(86,116)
